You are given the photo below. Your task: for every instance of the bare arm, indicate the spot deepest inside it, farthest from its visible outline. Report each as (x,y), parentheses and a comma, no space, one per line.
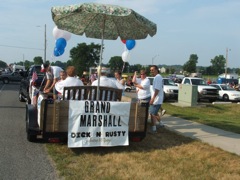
(154,96)
(47,84)
(134,77)
(47,90)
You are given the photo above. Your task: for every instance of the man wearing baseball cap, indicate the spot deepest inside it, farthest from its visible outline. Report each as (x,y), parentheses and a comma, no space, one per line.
(53,75)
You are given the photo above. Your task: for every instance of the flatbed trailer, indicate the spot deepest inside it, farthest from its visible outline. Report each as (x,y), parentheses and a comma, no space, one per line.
(48,119)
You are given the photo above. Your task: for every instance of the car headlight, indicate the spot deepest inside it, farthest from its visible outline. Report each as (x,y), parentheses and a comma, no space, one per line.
(203,92)
(170,91)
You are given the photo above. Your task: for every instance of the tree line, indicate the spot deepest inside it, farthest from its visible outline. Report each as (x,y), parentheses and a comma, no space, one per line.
(84,56)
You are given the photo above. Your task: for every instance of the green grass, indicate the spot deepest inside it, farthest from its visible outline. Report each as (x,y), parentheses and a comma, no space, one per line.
(165,155)
(223,116)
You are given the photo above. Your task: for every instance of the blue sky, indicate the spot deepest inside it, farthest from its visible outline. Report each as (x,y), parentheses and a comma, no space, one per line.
(184,27)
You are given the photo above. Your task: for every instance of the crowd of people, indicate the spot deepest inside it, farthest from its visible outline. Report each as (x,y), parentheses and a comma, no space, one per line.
(57,79)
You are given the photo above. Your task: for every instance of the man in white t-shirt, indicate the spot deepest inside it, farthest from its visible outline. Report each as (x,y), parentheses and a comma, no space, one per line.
(53,75)
(156,96)
(71,80)
(104,81)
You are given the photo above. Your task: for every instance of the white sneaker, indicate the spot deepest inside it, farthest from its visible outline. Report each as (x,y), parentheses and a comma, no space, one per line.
(163,112)
(160,125)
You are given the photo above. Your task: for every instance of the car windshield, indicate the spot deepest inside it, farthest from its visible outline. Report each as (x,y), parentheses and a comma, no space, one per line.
(198,82)
(226,87)
(168,82)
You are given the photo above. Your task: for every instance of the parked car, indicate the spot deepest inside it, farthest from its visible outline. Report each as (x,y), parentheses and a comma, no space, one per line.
(227,93)
(26,84)
(129,88)
(169,87)
(204,90)
(11,77)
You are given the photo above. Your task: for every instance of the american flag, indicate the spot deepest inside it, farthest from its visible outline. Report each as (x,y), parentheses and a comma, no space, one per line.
(34,76)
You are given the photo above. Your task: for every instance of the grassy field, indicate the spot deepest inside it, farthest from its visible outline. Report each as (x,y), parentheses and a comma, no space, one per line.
(165,155)
(223,116)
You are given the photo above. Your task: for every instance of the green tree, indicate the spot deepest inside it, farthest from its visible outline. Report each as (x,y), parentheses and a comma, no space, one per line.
(3,64)
(191,65)
(60,64)
(237,71)
(38,60)
(209,71)
(27,64)
(136,67)
(85,56)
(218,64)
(115,63)
(172,70)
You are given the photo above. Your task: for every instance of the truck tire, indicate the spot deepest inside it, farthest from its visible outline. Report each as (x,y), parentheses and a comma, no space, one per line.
(211,100)
(225,97)
(164,97)
(5,80)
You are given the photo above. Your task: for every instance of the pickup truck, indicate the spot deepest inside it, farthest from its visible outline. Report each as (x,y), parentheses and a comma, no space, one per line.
(204,90)
(13,77)
(169,87)
(26,84)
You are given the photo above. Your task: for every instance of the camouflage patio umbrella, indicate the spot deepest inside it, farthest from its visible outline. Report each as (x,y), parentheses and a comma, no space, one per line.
(103,21)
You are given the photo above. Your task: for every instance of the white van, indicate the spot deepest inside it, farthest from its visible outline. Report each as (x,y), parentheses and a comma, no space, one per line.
(169,87)
(16,68)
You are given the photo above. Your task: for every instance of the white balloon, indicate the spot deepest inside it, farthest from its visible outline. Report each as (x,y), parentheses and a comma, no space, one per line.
(66,35)
(58,33)
(125,56)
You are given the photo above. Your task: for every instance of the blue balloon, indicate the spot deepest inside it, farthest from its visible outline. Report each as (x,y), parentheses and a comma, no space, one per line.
(130,44)
(58,52)
(61,43)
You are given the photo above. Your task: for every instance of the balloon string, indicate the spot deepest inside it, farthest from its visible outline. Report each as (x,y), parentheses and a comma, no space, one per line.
(123,66)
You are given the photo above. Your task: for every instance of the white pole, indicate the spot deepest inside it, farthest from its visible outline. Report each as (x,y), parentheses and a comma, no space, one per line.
(226,63)
(45,43)
(100,61)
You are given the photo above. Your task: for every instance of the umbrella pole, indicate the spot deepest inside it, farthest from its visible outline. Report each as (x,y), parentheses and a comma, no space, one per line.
(100,61)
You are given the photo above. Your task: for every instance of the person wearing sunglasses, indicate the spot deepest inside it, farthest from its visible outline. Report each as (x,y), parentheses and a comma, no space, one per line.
(142,85)
(156,97)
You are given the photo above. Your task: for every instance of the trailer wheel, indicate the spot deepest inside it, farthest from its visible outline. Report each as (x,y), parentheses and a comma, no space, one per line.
(31,136)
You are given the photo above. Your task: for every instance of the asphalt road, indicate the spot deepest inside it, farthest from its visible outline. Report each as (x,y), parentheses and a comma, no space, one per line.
(19,159)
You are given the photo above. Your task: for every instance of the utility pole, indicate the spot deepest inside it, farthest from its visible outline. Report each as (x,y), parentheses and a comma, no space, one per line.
(154,58)
(45,43)
(226,62)
(23,60)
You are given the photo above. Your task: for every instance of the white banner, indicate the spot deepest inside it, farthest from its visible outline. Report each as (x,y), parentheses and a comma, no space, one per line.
(98,123)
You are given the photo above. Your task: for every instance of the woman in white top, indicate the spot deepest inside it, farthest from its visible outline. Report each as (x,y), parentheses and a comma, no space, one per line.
(120,82)
(143,86)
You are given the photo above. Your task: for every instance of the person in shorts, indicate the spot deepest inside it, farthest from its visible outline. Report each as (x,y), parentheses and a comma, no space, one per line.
(156,97)
(53,75)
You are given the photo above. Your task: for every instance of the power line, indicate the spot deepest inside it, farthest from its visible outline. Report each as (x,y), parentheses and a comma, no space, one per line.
(20,47)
